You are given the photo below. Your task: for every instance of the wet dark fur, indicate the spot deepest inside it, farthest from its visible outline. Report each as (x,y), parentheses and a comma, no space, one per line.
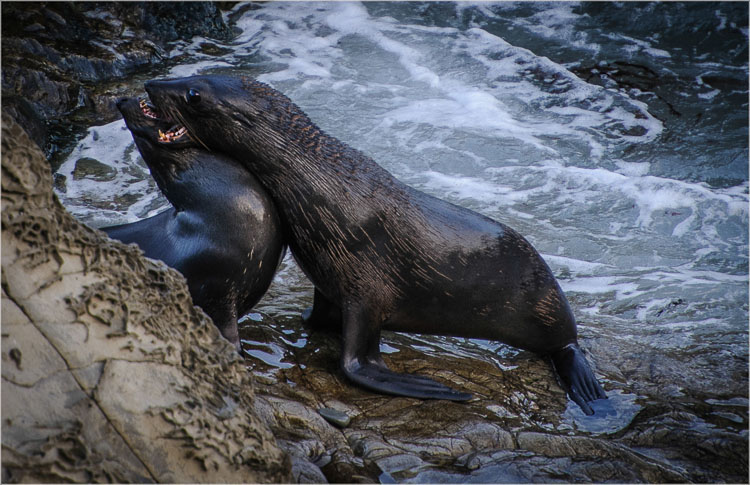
(223,232)
(381,254)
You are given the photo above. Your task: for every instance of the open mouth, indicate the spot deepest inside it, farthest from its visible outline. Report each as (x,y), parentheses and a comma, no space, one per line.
(172,134)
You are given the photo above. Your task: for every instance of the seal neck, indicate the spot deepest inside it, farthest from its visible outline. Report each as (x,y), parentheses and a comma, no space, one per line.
(198,178)
(294,160)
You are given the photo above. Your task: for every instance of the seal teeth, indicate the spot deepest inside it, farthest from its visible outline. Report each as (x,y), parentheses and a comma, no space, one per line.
(172,135)
(148,109)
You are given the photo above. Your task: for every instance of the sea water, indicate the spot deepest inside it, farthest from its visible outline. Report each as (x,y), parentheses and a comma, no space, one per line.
(614,136)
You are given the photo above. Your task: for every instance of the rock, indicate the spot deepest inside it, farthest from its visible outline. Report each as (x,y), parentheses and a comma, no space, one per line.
(88,167)
(64,59)
(334,417)
(24,113)
(519,427)
(170,21)
(109,373)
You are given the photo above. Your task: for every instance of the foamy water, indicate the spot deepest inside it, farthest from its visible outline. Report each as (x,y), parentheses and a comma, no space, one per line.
(631,181)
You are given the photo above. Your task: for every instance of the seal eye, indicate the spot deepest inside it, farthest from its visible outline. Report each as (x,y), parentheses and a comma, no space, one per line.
(193,97)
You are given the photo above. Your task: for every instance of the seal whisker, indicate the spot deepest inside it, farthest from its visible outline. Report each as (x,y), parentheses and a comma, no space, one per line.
(178,116)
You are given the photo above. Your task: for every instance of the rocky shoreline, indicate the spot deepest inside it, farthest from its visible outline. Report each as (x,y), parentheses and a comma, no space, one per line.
(123,379)
(65,61)
(111,374)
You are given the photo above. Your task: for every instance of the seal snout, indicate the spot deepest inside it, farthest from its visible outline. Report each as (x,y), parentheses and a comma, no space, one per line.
(131,108)
(128,107)
(159,92)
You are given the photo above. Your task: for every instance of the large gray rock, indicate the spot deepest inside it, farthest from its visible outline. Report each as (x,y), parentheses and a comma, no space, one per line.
(109,373)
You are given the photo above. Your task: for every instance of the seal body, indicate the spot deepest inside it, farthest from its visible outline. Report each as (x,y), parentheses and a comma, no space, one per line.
(382,255)
(223,232)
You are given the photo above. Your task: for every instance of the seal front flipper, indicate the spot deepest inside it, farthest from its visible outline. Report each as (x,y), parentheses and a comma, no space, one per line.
(362,363)
(223,309)
(576,377)
(226,321)
(324,314)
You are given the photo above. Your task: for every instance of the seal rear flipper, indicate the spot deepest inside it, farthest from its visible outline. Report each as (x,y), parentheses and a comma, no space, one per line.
(576,377)
(381,379)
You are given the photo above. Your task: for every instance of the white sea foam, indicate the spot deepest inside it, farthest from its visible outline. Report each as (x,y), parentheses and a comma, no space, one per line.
(620,287)
(499,99)
(633,46)
(633,169)
(555,22)
(101,202)
(650,195)
(710,94)
(184,70)
(575,266)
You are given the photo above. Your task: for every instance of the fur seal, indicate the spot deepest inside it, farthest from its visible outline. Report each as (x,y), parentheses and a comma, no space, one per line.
(382,255)
(223,232)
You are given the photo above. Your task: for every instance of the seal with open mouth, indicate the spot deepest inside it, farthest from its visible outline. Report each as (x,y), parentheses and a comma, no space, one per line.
(223,232)
(382,255)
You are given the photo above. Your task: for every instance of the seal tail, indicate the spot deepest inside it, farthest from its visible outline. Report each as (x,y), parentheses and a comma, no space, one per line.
(576,377)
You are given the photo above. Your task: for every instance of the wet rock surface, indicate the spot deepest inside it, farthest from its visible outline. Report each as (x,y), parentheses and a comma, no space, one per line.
(520,427)
(69,58)
(110,374)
